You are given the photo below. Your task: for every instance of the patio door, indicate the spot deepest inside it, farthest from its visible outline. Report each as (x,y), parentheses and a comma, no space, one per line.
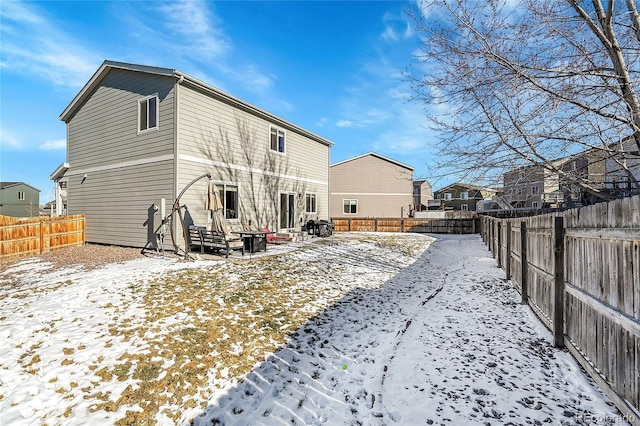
(287,210)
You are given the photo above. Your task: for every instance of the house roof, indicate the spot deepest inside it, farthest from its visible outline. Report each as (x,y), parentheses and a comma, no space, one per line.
(374,154)
(59,171)
(467,185)
(181,78)
(4,185)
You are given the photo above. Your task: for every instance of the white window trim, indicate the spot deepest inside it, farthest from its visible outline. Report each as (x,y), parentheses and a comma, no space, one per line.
(284,135)
(464,206)
(157,126)
(464,195)
(534,204)
(315,203)
(22,196)
(224,184)
(349,199)
(448,196)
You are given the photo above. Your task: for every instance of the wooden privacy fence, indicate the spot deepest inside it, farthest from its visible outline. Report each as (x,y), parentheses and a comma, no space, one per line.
(580,272)
(435,226)
(38,235)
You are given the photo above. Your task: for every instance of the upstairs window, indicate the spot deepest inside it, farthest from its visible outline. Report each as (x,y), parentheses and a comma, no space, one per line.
(21,196)
(350,206)
(277,140)
(447,196)
(148,113)
(464,195)
(535,190)
(310,203)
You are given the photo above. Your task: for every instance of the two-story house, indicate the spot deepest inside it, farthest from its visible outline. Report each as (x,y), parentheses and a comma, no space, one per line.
(17,199)
(422,194)
(371,185)
(562,184)
(460,196)
(138,136)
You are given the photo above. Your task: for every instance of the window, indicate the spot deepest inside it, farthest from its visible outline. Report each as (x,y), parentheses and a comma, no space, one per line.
(310,203)
(464,195)
(535,190)
(464,206)
(350,206)
(21,196)
(534,204)
(148,113)
(438,196)
(229,197)
(447,196)
(277,140)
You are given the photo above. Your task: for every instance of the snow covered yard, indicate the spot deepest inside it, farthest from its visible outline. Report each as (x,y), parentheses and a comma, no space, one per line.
(375,329)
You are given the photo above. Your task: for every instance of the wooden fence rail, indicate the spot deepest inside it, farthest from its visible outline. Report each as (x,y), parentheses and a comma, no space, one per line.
(38,235)
(435,226)
(579,271)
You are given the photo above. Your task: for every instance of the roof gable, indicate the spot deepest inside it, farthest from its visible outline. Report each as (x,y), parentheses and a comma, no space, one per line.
(4,185)
(373,154)
(465,186)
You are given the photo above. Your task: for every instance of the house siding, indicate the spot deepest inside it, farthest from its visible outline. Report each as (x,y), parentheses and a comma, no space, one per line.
(125,171)
(209,140)
(382,188)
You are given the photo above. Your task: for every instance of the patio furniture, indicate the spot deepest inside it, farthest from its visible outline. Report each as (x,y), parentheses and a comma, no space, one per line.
(274,238)
(201,236)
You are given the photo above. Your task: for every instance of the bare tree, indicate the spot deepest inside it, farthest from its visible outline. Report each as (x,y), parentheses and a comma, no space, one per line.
(512,83)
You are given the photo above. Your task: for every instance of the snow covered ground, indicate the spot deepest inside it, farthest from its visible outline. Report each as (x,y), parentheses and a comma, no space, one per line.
(375,329)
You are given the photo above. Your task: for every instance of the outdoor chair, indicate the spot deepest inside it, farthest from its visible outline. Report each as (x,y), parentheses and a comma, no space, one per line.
(273,238)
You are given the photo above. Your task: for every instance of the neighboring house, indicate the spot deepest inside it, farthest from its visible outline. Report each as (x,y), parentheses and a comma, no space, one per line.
(526,186)
(138,135)
(17,199)
(534,186)
(618,182)
(371,185)
(460,196)
(58,207)
(422,193)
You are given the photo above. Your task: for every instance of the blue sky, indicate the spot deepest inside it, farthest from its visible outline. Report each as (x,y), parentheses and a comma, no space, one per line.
(332,67)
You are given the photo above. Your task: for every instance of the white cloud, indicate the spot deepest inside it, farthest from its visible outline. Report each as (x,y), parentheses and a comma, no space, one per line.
(397,28)
(8,141)
(344,123)
(53,144)
(197,29)
(33,44)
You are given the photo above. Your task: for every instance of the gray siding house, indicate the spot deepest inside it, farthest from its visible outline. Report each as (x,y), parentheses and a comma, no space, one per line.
(17,199)
(138,135)
(371,185)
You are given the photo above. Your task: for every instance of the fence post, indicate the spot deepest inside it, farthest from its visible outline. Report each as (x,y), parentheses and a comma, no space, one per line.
(349,224)
(41,239)
(508,250)
(491,235)
(524,287)
(558,282)
(499,254)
